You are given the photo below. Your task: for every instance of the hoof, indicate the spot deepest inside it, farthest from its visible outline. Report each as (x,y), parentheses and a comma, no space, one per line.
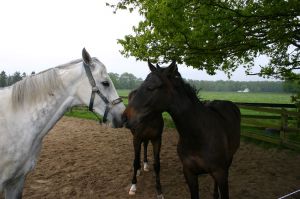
(138,172)
(131,193)
(161,196)
(132,189)
(146,166)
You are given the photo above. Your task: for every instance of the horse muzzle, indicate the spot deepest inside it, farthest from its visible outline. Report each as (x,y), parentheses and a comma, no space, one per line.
(128,118)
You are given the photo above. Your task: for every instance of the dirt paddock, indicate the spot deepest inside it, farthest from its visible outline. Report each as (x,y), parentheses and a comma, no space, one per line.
(81,159)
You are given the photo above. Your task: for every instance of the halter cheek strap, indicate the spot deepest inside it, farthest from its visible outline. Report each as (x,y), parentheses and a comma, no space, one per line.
(96,90)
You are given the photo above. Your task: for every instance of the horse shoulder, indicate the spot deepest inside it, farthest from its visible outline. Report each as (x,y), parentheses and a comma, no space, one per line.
(15,149)
(232,118)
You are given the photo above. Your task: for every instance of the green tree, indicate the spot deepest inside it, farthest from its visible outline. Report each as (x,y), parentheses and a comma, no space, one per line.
(16,77)
(291,86)
(127,81)
(216,35)
(115,79)
(23,75)
(3,79)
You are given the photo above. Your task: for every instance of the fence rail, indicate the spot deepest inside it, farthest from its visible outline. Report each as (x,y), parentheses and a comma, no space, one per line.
(283,130)
(279,131)
(276,123)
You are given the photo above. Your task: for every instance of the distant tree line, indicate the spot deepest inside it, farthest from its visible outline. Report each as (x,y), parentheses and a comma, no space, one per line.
(125,80)
(129,81)
(253,86)
(7,80)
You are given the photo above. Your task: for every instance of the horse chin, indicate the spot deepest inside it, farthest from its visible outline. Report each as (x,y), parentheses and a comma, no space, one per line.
(133,125)
(128,125)
(116,123)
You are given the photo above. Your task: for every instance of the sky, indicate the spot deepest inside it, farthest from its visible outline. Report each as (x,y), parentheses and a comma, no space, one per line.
(39,34)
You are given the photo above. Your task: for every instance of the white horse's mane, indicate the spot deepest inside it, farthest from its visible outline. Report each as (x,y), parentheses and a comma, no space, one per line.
(36,87)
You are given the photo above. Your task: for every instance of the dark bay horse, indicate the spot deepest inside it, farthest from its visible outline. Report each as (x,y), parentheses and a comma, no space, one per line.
(149,129)
(209,133)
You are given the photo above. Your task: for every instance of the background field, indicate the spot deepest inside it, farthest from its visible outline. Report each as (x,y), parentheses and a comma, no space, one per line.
(279,98)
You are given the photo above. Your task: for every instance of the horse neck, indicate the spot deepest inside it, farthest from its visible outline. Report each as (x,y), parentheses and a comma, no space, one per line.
(51,107)
(186,113)
(71,80)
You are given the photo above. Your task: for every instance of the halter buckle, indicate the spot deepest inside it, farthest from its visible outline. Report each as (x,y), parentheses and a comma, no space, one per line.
(117,101)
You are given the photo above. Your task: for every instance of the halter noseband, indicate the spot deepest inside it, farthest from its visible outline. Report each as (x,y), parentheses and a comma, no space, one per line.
(95,90)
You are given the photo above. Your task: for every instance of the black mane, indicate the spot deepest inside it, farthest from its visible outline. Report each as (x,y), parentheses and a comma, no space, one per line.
(191,91)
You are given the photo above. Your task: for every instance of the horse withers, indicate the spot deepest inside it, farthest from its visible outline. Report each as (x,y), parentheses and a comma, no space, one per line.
(150,129)
(32,106)
(209,133)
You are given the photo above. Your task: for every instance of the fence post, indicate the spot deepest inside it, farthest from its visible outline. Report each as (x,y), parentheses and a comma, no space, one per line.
(284,125)
(298,117)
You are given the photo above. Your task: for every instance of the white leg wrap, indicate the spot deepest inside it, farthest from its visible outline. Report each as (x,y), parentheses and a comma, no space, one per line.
(146,166)
(132,189)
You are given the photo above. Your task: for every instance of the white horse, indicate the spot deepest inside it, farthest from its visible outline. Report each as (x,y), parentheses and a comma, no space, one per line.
(31,107)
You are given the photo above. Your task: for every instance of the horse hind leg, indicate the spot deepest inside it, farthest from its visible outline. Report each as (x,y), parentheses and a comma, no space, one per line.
(14,189)
(146,165)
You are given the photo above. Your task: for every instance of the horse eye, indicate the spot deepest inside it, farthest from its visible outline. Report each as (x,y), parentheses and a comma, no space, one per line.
(150,88)
(105,83)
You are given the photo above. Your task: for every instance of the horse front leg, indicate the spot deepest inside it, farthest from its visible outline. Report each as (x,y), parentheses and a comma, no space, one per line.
(14,189)
(192,181)
(136,164)
(156,152)
(221,182)
(216,190)
(146,165)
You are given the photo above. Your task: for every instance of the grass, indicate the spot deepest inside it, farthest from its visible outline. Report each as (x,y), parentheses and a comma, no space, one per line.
(81,112)
(279,98)
(276,98)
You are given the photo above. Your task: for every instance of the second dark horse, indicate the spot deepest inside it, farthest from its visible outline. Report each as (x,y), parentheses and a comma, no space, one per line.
(209,133)
(147,130)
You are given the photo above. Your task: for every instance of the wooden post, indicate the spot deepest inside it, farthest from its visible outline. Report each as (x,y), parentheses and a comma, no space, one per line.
(284,125)
(298,117)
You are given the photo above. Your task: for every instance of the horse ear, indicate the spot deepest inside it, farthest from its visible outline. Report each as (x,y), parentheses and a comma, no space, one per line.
(151,66)
(86,57)
(157,66)
(172,69)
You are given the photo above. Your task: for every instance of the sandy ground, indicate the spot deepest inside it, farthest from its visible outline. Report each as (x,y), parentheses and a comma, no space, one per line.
(81,159)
